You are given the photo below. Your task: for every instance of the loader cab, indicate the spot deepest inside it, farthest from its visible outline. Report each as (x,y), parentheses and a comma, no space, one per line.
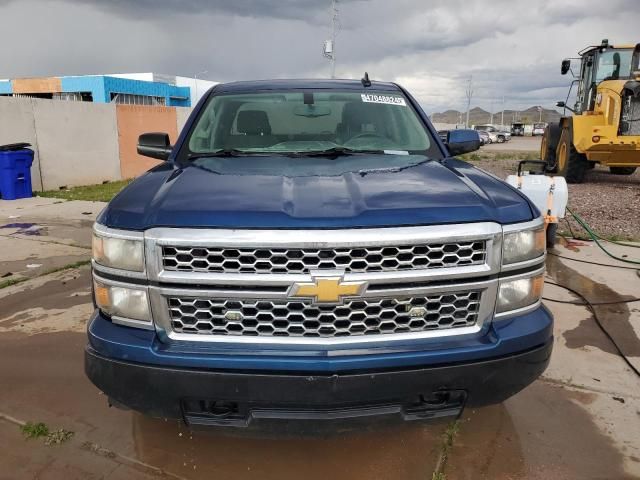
(598,64)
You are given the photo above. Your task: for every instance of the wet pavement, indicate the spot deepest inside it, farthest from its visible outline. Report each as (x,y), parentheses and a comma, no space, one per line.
(40,235)
(580,420)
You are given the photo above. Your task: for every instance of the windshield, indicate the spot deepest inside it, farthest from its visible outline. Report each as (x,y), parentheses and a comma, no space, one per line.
(280,123)
(614,64)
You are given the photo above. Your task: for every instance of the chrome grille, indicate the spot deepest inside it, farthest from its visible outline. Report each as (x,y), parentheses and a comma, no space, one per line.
(284,318)
(303,260)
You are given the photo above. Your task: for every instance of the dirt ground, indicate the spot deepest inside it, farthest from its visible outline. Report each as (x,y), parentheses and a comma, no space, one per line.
(579,421)
(609,203)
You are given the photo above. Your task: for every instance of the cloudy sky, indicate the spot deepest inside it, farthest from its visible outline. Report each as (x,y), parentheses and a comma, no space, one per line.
(512,48)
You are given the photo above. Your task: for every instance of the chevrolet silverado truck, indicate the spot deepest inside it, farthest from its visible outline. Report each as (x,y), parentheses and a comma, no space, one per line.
(310,249)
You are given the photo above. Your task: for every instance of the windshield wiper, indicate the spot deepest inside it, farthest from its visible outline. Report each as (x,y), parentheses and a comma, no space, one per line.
(332,152)
(225,152)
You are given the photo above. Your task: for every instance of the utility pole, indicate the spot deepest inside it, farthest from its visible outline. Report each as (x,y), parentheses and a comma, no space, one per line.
(195,80)
(329,50)
(469,94)
(540,110)
(491,113)
(502,119)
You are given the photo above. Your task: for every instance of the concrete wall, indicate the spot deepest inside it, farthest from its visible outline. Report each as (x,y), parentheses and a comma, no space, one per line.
(77,143)
(182,114)
(83,143)
(134,120)
(17,125)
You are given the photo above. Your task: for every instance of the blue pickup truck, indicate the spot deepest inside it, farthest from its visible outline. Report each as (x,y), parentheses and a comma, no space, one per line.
(310,249)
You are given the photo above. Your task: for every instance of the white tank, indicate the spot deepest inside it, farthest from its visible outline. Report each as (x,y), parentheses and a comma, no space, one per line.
(544,192)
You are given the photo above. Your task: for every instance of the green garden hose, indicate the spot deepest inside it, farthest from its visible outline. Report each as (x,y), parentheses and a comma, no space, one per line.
(596,238)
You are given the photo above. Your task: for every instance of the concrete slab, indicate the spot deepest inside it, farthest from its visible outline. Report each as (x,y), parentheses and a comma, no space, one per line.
(41,345)
(579,421)
(544,432)
(52,303)
(48,219)
(30,257)
(601,285)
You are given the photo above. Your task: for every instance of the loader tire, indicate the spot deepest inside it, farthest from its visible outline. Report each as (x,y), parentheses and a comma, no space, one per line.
(571,164)
(622,170)
(548,146)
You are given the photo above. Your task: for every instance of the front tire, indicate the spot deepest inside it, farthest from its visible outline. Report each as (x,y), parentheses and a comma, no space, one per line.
(622,170)
(500,139)
(548,146)
(571,164)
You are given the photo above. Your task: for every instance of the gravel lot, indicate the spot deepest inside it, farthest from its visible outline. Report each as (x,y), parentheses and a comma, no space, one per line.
(609,203)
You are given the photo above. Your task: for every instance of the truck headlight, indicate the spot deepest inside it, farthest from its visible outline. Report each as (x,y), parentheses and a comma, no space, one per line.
(519,293)
(523,245)
(117,252)
(123,302)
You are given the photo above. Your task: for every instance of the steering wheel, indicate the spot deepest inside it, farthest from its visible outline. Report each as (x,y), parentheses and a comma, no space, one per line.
(366,135)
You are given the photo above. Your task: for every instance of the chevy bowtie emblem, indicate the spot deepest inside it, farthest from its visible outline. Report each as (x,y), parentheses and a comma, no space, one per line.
(327,289)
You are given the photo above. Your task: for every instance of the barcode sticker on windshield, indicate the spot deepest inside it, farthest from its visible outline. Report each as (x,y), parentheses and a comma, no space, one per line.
(388,99)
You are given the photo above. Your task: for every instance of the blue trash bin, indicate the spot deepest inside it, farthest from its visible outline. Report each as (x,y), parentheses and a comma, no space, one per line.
(15,171)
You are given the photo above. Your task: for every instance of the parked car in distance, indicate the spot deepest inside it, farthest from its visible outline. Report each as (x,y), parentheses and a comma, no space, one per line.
(312,249)
(538,129)
(517,129)
(500,136)
(485,137)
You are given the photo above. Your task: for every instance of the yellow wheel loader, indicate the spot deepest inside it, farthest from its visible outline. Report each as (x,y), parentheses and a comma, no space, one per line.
(604,126)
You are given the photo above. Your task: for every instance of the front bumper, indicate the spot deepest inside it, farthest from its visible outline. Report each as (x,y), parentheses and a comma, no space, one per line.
(232,398)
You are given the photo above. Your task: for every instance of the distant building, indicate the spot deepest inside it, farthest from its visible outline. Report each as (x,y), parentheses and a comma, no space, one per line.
(197,86)
(131,89)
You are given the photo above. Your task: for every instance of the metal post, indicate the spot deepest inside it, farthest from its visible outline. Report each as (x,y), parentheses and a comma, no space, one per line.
(195,79)
(502,119)
(491,113)
(334,25)
(469,94)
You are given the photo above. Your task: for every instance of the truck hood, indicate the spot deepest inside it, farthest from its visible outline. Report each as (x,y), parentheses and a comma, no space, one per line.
(427,193)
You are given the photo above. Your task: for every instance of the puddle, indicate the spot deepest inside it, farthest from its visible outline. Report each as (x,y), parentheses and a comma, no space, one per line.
(614,318)
(405,451)
(73,232)
(58,294)
(541,433)
(29,229)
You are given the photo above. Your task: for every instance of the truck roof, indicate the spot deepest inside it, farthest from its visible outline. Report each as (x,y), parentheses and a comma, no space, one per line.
(295,84)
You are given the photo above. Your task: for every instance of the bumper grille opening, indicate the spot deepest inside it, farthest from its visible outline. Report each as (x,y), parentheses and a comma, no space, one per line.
(303,260)
(284,318)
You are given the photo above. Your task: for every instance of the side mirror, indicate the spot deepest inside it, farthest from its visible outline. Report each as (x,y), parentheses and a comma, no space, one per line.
(561,104)
(154,145)
(462,141)
(566,65)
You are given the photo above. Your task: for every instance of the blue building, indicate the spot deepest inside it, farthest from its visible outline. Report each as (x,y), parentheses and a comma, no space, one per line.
(100,89)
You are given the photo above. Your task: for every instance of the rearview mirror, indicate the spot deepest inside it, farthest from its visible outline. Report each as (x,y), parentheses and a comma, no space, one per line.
(566,65)
(462,141)
(155,145)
